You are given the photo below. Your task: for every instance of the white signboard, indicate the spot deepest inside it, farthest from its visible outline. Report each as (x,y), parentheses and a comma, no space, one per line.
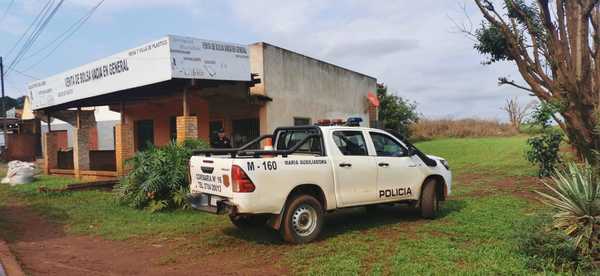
(193,58)
(161,60)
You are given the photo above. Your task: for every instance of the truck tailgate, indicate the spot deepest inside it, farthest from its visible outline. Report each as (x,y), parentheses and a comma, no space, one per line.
(211,175)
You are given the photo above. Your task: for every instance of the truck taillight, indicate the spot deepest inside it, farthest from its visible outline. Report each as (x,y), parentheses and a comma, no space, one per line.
(241,181)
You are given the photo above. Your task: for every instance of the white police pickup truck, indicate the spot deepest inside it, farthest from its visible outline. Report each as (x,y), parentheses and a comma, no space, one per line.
(313,170)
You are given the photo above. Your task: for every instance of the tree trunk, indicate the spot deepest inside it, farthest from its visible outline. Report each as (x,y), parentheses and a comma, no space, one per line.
(580,131)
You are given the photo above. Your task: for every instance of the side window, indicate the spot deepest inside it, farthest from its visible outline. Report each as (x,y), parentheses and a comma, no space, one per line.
(387,146)
(350,142)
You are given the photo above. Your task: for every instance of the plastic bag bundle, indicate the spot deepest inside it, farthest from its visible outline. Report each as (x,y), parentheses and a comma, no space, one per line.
(19,172)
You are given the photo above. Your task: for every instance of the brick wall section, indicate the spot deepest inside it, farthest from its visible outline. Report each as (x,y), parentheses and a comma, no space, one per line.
(162,110)
(50,151)
(124,147)
(81,151)
(61,138)
(187,128)
(21,147)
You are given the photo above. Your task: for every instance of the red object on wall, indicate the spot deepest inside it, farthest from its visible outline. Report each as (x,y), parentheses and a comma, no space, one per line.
(373,99)
(93,139)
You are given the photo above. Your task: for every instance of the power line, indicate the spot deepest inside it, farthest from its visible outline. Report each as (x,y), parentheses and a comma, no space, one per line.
(71,29)
(34,36)
(65,36)
(25,74)
(48,15)
(28,28)
(6,11)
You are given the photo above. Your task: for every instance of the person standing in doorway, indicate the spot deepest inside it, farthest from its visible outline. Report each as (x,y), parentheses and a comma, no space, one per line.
(221,141)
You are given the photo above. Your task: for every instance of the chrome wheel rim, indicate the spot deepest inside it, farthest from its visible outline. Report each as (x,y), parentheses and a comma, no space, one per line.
(304,220)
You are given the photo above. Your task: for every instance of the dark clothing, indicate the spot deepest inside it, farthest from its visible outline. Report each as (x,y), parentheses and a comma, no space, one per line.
(221,143)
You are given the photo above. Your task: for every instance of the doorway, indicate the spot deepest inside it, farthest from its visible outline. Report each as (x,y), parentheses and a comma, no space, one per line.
(245,130)
(144,134)
(213,128)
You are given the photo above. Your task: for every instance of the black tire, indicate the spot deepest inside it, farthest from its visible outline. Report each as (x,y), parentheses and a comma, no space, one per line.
(303,220)
(248,221)
(430,203)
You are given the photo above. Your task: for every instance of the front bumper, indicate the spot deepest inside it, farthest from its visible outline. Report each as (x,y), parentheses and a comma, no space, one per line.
(202,202)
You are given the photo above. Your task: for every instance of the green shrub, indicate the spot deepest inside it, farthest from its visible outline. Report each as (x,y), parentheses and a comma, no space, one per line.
(547,249)
(158,179)
(543,151)
(544,147)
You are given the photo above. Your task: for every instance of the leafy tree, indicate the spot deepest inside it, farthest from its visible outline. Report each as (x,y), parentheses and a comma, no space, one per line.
(555,45)
(395,112)
(9,102)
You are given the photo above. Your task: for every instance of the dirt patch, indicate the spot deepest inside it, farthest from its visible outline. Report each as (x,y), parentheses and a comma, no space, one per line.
(521,186)
(469,179)
(43,248)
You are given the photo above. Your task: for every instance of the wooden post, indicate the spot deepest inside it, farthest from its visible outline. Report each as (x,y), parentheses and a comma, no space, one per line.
(48,118)
(186,111)
(122,109)
(78,118)
(185,101)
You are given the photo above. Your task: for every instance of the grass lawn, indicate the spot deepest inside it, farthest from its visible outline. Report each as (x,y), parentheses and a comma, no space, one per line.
(500,156)
(477,233)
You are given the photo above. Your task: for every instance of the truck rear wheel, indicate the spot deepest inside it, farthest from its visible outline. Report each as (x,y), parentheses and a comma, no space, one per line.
(430,203)
(303,220)
(248,221)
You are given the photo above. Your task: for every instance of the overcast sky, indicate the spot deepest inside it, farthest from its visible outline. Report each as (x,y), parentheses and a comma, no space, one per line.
(411,46)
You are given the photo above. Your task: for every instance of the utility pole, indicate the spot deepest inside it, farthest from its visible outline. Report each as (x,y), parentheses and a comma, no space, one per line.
(3,112)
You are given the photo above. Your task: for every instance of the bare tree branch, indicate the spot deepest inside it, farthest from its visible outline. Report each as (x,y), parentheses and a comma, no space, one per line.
(517,112)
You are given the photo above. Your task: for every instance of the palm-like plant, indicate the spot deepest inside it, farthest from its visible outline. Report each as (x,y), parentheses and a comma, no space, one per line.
(158,178)
(575,193)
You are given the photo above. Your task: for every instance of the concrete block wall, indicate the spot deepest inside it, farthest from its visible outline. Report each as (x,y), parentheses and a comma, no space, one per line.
(81,151)
(305,87)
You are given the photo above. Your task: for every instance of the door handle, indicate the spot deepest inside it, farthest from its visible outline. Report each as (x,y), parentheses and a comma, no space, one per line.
(345,165)
(383,164)
(412,165)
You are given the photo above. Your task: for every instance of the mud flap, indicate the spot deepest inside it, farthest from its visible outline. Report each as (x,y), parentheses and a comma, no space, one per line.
(276,219)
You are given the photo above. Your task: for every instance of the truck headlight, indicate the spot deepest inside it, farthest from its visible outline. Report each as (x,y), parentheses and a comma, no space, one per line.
(445,163)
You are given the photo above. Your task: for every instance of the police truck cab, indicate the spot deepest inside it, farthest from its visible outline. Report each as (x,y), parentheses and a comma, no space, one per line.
(312,170)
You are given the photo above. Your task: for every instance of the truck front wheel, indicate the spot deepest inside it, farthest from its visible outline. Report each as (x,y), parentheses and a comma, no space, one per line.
(430,203)
(303,220)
